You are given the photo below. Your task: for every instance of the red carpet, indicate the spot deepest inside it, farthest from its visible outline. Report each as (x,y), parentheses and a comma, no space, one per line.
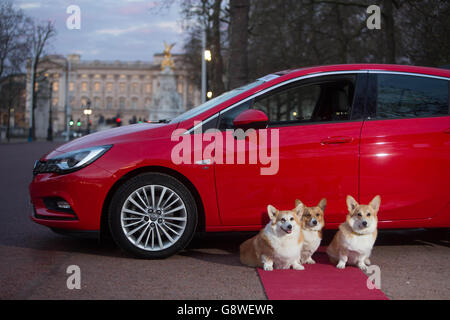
(320,281)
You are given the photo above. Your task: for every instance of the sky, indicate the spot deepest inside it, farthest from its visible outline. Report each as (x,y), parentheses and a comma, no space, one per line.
(125,30)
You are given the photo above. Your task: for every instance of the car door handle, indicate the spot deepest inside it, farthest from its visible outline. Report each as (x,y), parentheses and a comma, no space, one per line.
(337,140)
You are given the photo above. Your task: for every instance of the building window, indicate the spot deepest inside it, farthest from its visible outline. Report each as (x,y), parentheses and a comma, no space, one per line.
(135,88)
(109,102)
(55,102)
(71,86)
(148,88)
(84,86)
(134,102)
(84,101)
(109,87)
(55,86)
(97,86)
(147,102)
(122,88)
(122,103)
(180,87)
(96,103)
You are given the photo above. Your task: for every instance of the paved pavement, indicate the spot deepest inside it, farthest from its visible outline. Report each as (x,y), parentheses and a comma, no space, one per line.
(33,259)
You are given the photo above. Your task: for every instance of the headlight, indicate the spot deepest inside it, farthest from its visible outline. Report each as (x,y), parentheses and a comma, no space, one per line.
(71,161)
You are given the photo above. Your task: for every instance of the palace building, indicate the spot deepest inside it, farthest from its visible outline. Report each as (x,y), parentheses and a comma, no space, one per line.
(113,89)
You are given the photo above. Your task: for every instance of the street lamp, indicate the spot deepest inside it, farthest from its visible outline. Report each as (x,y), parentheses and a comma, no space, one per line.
(208,56)
(67,110)
(87,113)
(50,113)
(204,66)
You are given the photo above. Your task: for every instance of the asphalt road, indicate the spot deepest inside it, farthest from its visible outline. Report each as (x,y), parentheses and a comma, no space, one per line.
(33,259)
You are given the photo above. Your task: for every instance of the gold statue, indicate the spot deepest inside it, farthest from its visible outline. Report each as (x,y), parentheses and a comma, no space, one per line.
(168,62)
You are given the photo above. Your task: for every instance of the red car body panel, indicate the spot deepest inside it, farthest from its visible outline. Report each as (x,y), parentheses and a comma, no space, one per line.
(407,160)
(378,157)
(303,154)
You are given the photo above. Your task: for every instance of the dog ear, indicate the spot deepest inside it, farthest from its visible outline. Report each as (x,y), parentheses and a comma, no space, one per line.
(299,208)
(272,211)
(375,203)
(322,204)
(351,203)
(297,202)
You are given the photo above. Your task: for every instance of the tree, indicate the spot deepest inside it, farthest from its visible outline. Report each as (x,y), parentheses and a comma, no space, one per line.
(39,36)
(217,84)
(238,62)
(12,90)
(207,16)
(13,42)
(265,36)
(425,29)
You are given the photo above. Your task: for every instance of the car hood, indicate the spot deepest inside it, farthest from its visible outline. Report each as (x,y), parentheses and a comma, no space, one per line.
(143,131)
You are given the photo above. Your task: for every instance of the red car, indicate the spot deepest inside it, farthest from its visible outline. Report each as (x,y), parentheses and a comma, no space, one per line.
(358,129)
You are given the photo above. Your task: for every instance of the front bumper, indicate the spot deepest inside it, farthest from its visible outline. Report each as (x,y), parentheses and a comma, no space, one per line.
(85,191)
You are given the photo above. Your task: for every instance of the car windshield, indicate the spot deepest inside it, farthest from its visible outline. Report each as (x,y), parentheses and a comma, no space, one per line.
(214,102)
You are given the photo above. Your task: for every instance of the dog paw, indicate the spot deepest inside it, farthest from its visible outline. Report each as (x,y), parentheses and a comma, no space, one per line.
(298,267)
(268,267)
(341,265)
(310,261)
(362,266)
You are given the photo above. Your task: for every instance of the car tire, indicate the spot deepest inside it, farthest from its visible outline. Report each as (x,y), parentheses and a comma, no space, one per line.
(152,216)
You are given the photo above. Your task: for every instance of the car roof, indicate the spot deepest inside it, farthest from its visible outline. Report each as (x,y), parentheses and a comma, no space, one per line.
(283,75)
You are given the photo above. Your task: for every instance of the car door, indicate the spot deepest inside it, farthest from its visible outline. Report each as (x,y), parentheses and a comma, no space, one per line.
(313,133)
(405,146)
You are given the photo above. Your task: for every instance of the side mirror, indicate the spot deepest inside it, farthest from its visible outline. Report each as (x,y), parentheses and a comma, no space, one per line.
(251,119)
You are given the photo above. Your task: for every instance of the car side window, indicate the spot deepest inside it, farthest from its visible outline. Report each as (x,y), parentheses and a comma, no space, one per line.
(404,96)
(315,102)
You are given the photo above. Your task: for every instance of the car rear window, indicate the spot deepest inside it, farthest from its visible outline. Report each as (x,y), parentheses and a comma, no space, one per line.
(405,96)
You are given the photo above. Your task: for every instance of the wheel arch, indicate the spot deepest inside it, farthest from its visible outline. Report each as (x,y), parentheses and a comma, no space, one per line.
(104,226)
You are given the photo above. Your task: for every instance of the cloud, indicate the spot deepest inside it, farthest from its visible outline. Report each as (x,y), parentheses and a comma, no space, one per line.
(111,30)
(137,7)
(29,5)
(120,31)
(169,25)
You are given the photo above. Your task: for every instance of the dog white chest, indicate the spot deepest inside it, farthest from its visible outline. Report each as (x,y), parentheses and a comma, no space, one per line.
(286,251)
(311,241)
(361,244)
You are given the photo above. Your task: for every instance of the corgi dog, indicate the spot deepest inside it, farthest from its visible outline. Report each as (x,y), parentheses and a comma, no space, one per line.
(354,240)
(278,245)
(312,224)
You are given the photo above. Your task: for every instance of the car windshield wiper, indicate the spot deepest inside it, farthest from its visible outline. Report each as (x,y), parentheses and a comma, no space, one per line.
(159,121)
